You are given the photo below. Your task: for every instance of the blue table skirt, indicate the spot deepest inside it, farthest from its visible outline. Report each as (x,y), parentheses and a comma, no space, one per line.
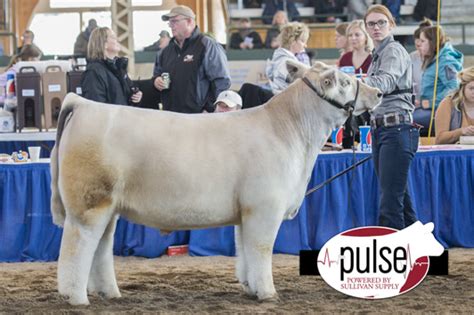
(441,183)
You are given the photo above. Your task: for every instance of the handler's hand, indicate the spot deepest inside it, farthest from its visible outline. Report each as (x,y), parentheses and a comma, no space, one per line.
(159,83)
(468,131)
(137,97)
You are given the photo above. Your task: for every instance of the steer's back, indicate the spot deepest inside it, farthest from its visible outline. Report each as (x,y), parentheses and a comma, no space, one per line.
(177,171)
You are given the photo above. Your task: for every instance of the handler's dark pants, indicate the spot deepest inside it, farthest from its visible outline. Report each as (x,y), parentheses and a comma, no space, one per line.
(393,149)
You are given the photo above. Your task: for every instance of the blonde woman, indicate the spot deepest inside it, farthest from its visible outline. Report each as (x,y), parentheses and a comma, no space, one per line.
(455,114)
(293,38)
(105,79)
(360,57)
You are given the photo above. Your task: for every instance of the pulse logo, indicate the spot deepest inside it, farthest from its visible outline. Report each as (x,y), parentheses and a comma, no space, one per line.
(378,262)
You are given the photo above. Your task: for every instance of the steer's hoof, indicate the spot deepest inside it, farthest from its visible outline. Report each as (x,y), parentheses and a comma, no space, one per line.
(245,286)
(109,295)
(268,298)
(78,301)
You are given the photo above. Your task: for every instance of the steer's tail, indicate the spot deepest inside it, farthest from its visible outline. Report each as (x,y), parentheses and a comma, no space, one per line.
(57,206)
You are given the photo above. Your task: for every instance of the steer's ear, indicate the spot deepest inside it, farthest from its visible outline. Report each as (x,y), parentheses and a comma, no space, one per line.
(295,69)
(318,65)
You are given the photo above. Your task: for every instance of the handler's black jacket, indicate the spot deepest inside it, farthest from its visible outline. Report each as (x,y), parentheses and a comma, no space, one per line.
(198,73)
(107,81)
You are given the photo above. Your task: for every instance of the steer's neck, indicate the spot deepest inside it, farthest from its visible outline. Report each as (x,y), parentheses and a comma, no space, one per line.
(298,113)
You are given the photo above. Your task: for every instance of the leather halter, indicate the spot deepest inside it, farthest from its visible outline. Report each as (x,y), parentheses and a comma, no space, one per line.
(348,107)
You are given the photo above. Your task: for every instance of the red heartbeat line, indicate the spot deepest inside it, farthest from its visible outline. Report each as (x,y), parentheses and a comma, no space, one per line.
(327,259)
(408,261)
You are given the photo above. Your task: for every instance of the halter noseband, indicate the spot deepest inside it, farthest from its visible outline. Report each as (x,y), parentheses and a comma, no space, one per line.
(348,107)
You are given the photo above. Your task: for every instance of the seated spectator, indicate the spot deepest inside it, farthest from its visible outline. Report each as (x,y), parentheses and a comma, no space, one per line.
(29,52)
(356,9)
(272,6)
(394,7)
(161,43)
(342,43)
(455,115)
(327,8)
(246,37)
(426,9)
(360,57)
(293,39)
(27,38)
(80,46)
(450,63)
(417,61)
(279,19)
(228,101)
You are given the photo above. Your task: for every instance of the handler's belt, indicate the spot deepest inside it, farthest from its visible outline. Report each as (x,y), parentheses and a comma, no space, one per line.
(391,119)
(402,91)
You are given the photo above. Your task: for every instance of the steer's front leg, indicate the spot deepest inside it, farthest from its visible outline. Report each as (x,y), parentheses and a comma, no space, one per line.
(258,234)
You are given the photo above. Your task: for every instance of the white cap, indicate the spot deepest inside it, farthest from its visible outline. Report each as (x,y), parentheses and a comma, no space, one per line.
(230,98)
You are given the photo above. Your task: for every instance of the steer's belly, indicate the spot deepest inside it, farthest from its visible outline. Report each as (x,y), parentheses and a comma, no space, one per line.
(182,219)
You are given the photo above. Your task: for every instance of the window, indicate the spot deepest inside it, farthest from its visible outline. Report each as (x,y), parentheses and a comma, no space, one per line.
(146,2)
(55,33)
(147,26)
(78,3)
(97,3)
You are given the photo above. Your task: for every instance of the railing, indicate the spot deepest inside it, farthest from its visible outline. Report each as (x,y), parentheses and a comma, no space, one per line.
(460,33)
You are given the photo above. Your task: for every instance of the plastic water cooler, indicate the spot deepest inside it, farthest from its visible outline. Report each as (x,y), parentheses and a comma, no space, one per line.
(74,80)
(54,91)
(28,89)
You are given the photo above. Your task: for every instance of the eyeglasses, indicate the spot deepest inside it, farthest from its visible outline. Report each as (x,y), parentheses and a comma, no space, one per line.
(379,23)
(173,22)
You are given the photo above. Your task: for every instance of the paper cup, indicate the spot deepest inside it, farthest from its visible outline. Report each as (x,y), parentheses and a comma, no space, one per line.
(34,153)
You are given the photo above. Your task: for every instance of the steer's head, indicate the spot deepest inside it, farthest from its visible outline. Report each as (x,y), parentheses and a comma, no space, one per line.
(335,85)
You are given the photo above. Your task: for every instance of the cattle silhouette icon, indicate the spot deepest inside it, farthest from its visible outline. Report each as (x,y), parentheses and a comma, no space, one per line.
(378,262)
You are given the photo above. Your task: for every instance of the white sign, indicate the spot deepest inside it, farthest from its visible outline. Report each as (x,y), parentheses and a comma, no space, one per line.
(378,262)
(28,92)
(79,90)
(54,88)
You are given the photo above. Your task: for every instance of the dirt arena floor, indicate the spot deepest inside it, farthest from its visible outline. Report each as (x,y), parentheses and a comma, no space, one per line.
(207,285)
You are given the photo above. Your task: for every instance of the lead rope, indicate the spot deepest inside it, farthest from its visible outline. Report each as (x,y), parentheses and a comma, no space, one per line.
(353,166)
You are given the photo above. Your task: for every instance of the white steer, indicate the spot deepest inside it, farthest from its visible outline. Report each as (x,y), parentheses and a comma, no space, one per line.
(177,172)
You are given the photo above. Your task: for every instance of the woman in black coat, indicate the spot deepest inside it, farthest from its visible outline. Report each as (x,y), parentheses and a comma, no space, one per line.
(105,79)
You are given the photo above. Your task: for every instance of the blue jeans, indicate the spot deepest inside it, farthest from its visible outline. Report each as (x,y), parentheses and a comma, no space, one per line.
(393,149)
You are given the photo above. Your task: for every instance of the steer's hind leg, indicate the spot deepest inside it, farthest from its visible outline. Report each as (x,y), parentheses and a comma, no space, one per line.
(79,242)
(259,230)
(240,264)
(102,276)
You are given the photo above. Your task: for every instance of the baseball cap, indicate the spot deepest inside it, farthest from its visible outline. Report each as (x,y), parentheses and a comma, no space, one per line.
(179,10)
(230,98)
